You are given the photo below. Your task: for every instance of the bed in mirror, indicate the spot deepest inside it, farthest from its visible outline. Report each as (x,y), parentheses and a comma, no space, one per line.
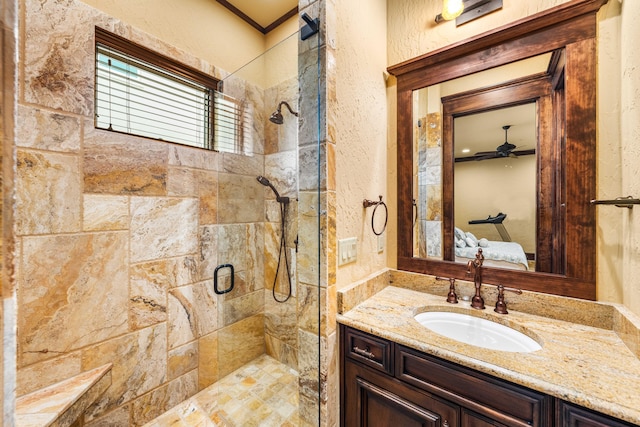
(520,102)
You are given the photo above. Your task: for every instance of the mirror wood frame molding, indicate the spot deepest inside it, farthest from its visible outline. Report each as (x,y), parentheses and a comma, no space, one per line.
(572,27)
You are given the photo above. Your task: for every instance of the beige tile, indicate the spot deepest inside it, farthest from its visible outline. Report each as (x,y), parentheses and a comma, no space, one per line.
(240,343)
(58,60)
(207,360)
(194,158)
(182,360)
(103,213)
(242,198)
(232,245)
(207,257)
(47,130)
(139,367)
(205,306)
(39,375)
(163,228)
(48,193)
(281,320)
(170,395)
(308,238)
(182,182)
(260,393)
(182,323)
(149,283)
(308,161)
(78,280)
(208,197)
(241,164)
(281,169)
(236,309)
(434,203)
(308,300)
(64,402)
(122,164)
(434,130)
(117,417)
(281,351)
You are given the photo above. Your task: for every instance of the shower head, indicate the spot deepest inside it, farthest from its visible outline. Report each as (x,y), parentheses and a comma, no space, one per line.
(277,118)
(264,181)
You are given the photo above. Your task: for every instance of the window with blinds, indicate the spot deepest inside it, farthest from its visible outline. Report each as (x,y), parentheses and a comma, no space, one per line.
(142,93)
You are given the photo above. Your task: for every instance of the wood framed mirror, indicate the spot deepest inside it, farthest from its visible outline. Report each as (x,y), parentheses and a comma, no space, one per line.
(565,148)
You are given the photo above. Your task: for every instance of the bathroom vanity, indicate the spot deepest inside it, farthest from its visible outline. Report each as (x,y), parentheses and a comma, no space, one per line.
(386,383)
(396,372)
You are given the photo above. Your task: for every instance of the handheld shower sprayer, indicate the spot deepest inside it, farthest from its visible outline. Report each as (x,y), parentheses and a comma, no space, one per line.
(277,118)
(264,181)
(284,203)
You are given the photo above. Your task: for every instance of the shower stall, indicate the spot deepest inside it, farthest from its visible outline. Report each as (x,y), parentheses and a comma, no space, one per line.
(193,276)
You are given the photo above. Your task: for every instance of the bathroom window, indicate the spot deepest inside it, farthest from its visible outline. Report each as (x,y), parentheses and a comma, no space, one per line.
(142,93)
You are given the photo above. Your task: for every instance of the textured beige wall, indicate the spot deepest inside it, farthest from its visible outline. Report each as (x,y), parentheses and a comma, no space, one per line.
(228,41)
(610,244)
(411,32)
(510,186)
(361,130)
(630,125)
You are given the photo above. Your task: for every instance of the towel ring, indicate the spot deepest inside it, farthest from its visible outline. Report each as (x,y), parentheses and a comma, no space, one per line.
(368,203)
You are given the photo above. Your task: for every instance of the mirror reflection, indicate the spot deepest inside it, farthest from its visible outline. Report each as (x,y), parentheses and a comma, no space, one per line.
(495,165)
(495,187)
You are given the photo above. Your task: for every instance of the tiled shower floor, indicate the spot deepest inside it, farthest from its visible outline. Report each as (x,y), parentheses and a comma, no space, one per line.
(262,393)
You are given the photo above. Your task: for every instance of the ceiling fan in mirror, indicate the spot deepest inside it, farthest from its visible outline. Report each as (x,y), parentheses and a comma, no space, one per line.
(506,149)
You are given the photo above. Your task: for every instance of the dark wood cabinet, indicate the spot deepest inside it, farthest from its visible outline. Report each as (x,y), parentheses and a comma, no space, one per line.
(387,384)
(471,419)
(569,415)
(486,397)
(376,400)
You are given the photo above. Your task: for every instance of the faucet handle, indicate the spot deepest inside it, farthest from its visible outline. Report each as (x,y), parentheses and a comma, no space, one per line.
(501,305)
(452,298)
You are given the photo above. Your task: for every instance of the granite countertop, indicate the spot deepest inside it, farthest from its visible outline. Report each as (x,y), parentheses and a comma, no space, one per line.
(586,365)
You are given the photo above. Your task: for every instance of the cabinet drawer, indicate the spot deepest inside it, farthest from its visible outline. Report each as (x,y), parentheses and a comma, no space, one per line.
(499,400)
(369,350)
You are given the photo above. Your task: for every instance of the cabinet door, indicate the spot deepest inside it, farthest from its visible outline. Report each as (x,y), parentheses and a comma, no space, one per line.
(471,419)
(575,416)
(375,400)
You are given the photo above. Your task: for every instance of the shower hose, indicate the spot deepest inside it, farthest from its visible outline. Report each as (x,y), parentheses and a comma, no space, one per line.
(283,250)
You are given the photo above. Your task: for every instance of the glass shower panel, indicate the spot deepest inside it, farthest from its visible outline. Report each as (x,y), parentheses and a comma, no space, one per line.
(262,361)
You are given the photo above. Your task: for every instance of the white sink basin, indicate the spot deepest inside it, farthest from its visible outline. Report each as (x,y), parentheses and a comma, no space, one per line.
(476,331)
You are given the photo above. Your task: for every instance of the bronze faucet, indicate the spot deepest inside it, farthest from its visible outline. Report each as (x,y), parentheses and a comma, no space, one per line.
(477,301)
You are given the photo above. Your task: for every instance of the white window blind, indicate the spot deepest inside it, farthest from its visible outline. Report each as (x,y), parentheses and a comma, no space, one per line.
(232,128)
(136,97)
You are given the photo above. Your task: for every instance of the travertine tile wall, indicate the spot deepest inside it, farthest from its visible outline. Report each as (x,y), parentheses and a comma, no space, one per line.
(8,20)
(428,237)
(317,258)
(120,235)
